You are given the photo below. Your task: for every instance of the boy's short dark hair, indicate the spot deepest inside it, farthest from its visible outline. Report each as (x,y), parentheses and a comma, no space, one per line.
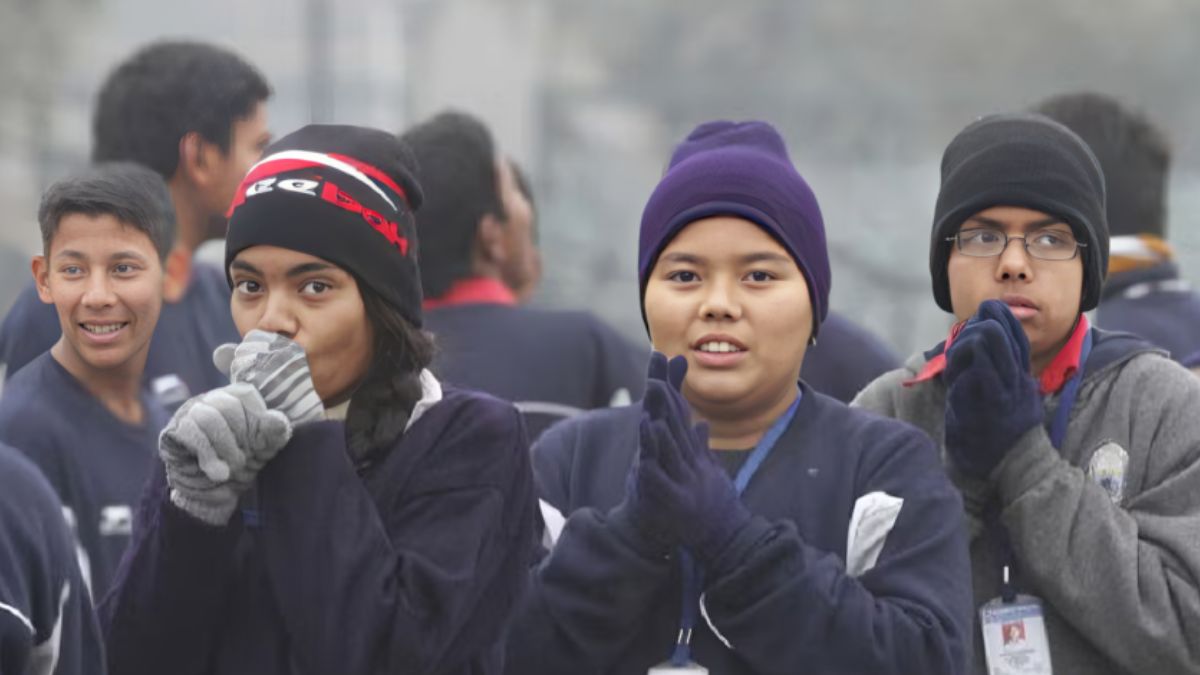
(167,90)
(131,193)
(1134,155)
(456,164)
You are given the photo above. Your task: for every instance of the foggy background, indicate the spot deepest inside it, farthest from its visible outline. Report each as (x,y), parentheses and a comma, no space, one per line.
(590,97)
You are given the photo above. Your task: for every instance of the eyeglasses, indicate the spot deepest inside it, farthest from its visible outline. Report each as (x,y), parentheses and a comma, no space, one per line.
(1043,245)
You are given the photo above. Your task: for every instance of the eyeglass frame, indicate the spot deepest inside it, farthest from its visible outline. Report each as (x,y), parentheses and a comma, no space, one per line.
(1008,239)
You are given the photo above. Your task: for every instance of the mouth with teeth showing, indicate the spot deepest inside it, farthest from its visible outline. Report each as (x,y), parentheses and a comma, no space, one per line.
(102,329)
(719,348)
(718,351)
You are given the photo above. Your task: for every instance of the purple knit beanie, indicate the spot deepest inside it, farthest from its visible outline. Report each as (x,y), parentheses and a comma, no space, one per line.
(738,169)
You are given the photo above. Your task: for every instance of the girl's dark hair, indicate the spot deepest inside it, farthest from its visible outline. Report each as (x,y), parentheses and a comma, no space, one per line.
(383,403)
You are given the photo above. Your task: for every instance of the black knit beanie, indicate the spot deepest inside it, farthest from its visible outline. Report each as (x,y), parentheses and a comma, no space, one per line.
(341,193)
(1025,160)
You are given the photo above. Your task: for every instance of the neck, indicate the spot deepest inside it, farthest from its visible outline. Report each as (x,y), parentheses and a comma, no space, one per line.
(189,220)
(116,388)
(739,429)
(1039,362)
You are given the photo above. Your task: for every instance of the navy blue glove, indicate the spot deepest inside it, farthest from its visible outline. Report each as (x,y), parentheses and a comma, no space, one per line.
(680,492)
(991,398)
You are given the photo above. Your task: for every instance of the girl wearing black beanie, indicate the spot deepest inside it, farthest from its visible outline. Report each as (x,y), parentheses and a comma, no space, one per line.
(334,509)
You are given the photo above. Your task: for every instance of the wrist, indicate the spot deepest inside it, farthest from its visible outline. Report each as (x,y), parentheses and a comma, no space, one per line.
(209,513)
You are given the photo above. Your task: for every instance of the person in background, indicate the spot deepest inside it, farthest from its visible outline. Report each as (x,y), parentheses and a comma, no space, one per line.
(47,625)
(845,359)
(1144,293)
(478,258)
(196,114)
(1077,450)
(334,509)
(736,518)
(81,411)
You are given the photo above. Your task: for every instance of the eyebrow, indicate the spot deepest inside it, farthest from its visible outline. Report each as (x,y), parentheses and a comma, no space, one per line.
(243,266)
(308,268)
(72,254)
(297,271)
(686,258)
(765,256)
(1034,225)
(749,258)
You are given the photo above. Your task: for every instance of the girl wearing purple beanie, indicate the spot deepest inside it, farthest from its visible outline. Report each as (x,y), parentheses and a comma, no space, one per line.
(735,520)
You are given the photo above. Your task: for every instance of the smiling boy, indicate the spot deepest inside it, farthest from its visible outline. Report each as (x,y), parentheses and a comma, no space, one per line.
(1077,450)
(79,410)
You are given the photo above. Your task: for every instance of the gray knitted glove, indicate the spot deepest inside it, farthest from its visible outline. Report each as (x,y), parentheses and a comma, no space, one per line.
(215,445)
(278,368)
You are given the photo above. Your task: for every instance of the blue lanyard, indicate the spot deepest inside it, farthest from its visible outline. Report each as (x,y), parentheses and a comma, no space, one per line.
(693,575)
(1058,434)
(1058,428)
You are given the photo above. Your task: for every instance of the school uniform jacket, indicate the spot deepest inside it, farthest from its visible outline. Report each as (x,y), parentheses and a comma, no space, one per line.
(604,601)
(1106,529)
(47,626)
(409,565)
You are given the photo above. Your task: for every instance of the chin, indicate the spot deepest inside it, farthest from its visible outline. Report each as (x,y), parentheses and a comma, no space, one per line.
(719,393)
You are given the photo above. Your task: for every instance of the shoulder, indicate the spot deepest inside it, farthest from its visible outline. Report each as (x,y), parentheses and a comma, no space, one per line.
(31,396)
(593,427)
(879,395)
(1157,382)
(27,502)
(886,453)
(472,424)
(478,410)
(867,427)
(596,435)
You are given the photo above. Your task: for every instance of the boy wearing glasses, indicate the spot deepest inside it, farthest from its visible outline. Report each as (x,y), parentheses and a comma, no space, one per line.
(1077,450)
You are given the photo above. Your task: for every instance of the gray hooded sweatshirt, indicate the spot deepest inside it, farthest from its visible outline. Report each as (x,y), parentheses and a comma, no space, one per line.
(1115,557)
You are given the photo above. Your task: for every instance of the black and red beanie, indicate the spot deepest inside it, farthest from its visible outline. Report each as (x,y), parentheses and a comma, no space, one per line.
(345,194)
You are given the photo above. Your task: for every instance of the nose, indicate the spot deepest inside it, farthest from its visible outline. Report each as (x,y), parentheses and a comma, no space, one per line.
(1014,262)
(279,317)
(99,292)
(720,301)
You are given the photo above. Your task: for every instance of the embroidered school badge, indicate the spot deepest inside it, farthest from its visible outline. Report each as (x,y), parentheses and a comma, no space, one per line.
(1107,469)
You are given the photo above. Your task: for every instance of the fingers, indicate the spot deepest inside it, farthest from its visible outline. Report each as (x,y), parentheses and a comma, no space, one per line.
(999,312)
(657,368)
(191,438)
(223,429)
(669,455)
(223,357)
(676,370)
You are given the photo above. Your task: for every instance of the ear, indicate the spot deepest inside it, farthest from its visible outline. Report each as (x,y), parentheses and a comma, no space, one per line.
(491,240)
(195,159)
(41,278)
(177,272)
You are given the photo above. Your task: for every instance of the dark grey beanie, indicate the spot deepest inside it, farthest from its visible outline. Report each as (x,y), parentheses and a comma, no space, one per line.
(1025,160)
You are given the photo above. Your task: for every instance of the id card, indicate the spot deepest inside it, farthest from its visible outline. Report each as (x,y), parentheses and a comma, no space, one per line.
(667,669)
(1014,637)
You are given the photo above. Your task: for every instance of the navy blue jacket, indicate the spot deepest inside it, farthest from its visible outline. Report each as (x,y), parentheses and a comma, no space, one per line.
(1139,302)
(409,565)
(603,602)
(845,359)
(46,616)
(96,463)
(187,333)
(551,364)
